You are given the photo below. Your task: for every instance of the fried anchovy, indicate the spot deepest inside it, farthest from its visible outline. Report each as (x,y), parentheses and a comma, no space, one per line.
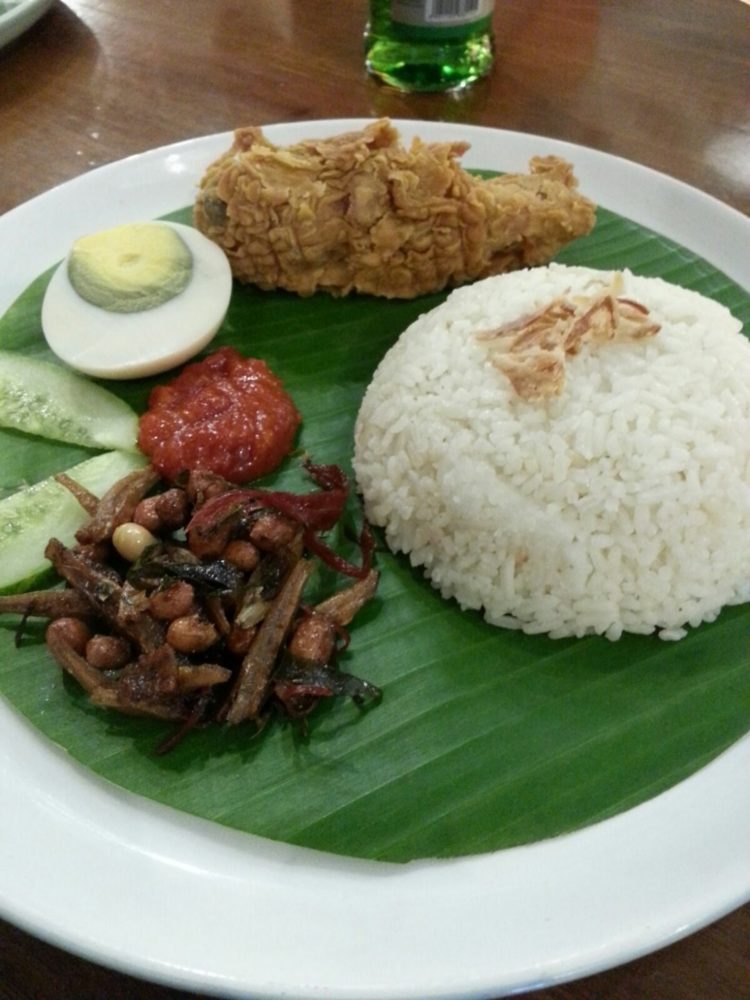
(105,595)
(254,677)
(117,505)
(46,604)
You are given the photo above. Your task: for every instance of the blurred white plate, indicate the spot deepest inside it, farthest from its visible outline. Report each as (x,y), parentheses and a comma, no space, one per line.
(17,16)
(165,896)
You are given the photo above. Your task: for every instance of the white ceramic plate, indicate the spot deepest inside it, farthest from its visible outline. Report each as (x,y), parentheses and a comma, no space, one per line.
(165,896)
(17,16)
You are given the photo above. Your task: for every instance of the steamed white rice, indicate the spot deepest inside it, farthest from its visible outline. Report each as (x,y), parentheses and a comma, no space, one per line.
(622,504)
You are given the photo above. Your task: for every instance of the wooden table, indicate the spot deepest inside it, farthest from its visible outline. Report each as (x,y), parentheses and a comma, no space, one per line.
(666,84)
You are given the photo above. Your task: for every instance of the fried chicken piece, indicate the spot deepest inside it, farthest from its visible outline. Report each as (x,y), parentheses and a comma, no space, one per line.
(360,212)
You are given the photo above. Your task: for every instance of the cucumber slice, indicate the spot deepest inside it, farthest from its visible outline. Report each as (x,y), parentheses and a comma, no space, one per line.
(30,517)
(42,398)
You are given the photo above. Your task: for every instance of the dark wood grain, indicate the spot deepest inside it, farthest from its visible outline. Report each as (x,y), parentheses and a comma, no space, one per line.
(665,83)
(713,964)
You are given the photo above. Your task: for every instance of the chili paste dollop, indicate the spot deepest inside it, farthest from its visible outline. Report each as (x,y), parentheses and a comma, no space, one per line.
(226,414)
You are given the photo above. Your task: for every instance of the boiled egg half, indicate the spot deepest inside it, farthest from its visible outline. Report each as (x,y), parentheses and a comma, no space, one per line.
(136,300)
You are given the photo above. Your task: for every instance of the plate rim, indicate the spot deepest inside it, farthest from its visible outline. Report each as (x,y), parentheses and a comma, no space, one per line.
(19,18)
(558,958)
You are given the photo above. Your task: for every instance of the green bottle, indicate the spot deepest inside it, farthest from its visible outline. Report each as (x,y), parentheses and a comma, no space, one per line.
(429,44)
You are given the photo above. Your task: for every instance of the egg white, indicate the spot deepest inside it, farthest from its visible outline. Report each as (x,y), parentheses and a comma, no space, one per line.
(133,345)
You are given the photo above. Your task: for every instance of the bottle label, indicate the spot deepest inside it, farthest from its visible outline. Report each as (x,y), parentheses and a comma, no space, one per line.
(440,13)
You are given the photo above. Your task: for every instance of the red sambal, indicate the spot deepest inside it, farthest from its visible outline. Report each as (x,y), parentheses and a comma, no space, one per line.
(226,414)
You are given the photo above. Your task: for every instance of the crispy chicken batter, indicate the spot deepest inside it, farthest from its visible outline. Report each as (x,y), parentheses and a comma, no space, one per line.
(360,212)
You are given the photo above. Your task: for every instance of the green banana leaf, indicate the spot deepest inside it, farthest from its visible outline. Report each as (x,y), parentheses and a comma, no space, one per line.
(484,738)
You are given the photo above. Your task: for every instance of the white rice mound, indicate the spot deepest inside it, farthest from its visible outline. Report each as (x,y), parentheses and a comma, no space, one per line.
(621,505)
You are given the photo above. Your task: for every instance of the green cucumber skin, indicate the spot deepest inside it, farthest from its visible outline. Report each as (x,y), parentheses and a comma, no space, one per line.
(40,398)
(30,517)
